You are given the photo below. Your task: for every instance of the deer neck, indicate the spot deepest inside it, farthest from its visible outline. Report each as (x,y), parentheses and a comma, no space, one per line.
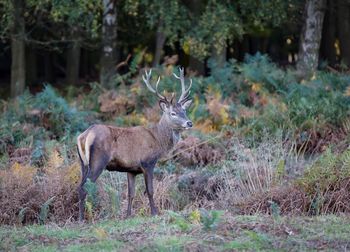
(166,136)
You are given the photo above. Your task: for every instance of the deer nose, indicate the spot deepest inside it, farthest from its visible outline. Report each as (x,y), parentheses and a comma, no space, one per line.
(189,124)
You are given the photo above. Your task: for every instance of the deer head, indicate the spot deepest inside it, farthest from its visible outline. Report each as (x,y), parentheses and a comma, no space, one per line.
(173,112)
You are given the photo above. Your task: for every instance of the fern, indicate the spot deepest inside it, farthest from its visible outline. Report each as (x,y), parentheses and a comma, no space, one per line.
(114,199)
(346,160)
(210,219)
(44,210)
(179,221)
(21,214)
(91,190)
(326,173)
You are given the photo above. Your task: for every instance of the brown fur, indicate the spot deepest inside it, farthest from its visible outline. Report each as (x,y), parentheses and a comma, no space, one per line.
(127,148)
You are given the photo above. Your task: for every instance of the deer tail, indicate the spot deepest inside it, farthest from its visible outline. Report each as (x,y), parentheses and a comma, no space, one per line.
(81,152)
(85,157)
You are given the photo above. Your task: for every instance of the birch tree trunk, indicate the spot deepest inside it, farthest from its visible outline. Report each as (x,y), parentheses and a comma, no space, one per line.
(311,35)
(18,65)
(109,43)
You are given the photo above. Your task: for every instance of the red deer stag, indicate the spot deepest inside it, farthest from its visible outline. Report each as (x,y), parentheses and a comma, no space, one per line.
(134,150)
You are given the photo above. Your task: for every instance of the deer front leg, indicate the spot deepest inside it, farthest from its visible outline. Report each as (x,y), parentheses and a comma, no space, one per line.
(148,174)
(131,191)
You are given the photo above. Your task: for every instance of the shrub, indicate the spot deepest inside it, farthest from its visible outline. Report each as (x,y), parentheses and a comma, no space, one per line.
(56,115)
(326,183)
(323,189)
(32,195)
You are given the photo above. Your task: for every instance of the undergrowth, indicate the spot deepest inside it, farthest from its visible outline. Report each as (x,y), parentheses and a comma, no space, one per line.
(263,141)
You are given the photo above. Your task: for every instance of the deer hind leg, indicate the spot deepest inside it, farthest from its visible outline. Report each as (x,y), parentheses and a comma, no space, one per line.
(97,162)
(148,174)
(81,191)
(131,191)
(149,189)
(82,196)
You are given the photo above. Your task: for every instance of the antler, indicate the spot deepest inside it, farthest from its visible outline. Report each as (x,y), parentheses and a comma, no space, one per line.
(146,79)
(185,93)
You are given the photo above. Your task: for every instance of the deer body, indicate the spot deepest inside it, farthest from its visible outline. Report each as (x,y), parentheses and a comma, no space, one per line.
(125,149)
(134,150)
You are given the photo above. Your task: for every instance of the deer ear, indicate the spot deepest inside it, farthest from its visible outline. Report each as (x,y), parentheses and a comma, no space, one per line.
(186,104)
(163,105)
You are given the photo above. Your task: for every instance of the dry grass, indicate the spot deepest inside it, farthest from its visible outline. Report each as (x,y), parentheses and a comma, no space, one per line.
(252,180)
(25,190)
(193,152)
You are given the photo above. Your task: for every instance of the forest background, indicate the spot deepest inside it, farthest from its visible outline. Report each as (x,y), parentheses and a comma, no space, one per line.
(271,92)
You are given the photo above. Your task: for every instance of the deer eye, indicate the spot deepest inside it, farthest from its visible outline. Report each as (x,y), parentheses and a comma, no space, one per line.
(173,114)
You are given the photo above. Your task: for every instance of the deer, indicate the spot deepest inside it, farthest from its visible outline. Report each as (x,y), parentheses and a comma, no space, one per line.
(134,150)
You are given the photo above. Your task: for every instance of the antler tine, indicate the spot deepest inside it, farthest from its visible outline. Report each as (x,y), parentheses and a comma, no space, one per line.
(146,80)
(181,78)
(184,92)
(172,98)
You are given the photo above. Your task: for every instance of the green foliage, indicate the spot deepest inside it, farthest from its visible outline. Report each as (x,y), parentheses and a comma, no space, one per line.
(91,190)
(274,97)
(63,119)
(217,26)
(275,209)
(47,21)
(169,17)
(86,14)
(32,120)
(21,214)
(38,153)
(226,77)
(326,172)
(114,200)
(210,219)
(250,233)
(262,15)
(179,221)
(254,241)
(258,68)
(318,102)
(5,18)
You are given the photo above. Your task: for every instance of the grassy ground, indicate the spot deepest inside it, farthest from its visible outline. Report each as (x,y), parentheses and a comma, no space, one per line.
(169,233)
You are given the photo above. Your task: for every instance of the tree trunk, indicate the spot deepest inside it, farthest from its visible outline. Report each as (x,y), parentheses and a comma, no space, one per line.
(254,43)
(109,43)
(18,65)
(48,67)
(310,37)
(31,66)
(244,47)
(328,34)
(344,30)
(160,40)
(73,63)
